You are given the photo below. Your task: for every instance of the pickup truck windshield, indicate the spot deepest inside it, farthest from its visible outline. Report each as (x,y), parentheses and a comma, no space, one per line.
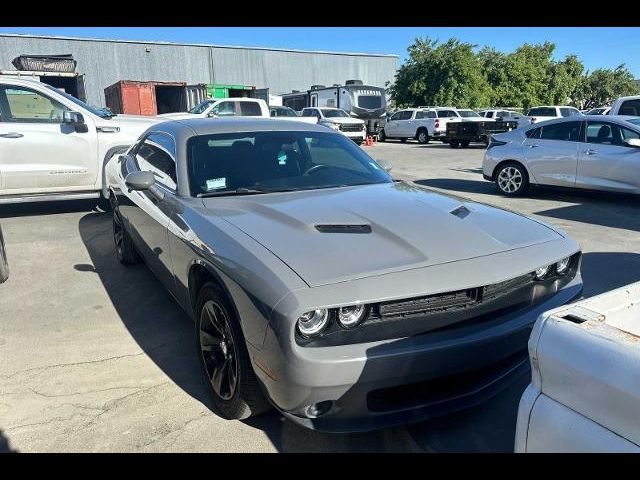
(276,161)
(334,113)
(468,113)
(201,107)
(100,112)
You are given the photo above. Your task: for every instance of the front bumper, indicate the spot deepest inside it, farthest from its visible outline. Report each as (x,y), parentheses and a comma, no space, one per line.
(381,384)
(359,135)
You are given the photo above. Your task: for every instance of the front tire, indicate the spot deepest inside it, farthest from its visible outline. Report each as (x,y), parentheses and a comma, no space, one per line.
(422,136)
(512,179)
(125,249)
(224,358)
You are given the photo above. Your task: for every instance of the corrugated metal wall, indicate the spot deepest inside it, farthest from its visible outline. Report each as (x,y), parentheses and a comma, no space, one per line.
(104,62)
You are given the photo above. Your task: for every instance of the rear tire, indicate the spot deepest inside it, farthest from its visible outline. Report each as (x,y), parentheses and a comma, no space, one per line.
(227,369)
(125,249)
(454,143)
(422,136)
(465,144)
(512,179)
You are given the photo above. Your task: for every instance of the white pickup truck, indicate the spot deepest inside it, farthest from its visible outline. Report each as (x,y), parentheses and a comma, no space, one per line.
(540,114)
(54,146)
(626,106)
(584,394)
(425,124)
(223,107)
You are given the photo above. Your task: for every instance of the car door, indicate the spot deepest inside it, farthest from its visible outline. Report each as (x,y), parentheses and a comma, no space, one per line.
(551,152)
(405,124)
(225,108)
(605,161)
(147,214)
(391,127)
(38,152)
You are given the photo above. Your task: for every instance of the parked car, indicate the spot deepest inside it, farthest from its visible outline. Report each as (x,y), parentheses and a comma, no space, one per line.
(467,131)
(288,113)
(540,114)
(626,106)
(500,114)
(590,152)
(339,120)
(323,287)
(4,264)
(423,124)
(598,111)
(584,394)
(223,107)
(54,146)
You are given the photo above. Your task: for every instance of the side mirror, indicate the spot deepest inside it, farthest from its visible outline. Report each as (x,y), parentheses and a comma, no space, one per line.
(76,120)
(140,180)
(386,165)
(633,142)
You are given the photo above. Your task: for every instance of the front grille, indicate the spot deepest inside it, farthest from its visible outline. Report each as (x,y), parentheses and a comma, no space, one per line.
(351,127)
(451,301)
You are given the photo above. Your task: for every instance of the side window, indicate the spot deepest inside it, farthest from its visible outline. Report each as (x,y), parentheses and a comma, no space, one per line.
(446,114)
(157,154)
(489,114)
(608,133)
(566,112)
(406,115)
(250,109)
(630,107)
(565,131)
(627,134)
(396,116)
(424,114)
(307,113)
(225,109)
(21,104)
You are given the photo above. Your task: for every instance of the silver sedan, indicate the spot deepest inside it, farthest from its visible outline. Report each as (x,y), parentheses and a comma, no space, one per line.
(592,152)
(323,287)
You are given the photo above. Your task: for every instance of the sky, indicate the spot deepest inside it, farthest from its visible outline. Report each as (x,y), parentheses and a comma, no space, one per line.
(597,47)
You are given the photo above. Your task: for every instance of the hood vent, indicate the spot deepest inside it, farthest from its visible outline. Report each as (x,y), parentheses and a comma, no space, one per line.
(344,228)
(460,212)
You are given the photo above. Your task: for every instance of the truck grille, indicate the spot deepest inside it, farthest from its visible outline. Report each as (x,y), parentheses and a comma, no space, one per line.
(351,127)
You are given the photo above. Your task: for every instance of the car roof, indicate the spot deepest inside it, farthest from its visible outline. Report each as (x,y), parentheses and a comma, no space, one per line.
(598,118)
(209,126)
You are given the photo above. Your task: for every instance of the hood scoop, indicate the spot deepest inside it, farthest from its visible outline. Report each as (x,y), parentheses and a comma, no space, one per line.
(344,228)
(460,212)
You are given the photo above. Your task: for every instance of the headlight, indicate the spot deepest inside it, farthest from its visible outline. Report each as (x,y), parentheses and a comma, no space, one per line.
(563,266)
(351,316)
(313,322)
(335,126)
(542,272)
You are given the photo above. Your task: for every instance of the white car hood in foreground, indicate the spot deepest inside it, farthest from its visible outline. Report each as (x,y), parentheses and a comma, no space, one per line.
(410,228)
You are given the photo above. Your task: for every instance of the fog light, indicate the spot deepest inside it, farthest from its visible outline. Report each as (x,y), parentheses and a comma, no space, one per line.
(319,409)
(313,322)
(563,265)
(542,272)
(351,316)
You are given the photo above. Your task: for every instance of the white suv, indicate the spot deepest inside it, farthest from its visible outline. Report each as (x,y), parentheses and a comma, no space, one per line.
(339,120)
(423,124)
(54,146)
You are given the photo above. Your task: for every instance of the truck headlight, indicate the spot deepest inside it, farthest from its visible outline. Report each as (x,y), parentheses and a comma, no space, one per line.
(563,266)
(542,272)
(313,322)
(351,315)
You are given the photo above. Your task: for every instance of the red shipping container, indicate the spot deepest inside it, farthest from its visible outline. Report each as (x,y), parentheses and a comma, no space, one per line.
(132,98)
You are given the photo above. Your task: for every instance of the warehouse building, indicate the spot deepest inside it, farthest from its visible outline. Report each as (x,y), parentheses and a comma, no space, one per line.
(105,62)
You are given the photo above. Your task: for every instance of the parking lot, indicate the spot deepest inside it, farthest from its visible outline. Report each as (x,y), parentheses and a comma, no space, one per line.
(97,356)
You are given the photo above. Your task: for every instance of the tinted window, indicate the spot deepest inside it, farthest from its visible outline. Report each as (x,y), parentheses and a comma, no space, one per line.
(156,154)
(542,112)
(250,109)
(608,133)
(630,107)
(489,114)
(225,109)
(283,112)
(278,161)
(425,114)
(406,115)
(567,131)
(337,113)
(533,133)
(26,105)
(370,101)
(307,112)
(467,113)
(446,113)
(396,116)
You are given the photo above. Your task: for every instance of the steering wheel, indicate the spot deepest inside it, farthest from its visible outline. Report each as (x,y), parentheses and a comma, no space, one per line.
(315,168)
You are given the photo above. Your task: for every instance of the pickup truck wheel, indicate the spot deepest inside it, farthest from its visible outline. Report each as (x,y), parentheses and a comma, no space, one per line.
(224,358)
(403,139)
(512,179)
(422,136)
(454,143)
(465,144)
(381,136)
(125,250)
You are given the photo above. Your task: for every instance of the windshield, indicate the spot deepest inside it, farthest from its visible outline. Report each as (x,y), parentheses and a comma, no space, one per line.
(265,162)
(100,112)
(334,113)
(468,113)
(201,107)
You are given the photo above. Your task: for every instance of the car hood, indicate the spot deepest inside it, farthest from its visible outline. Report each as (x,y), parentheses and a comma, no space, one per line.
(410,227)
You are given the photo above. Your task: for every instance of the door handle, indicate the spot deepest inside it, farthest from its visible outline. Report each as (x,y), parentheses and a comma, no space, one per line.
(11,135)
(590,151)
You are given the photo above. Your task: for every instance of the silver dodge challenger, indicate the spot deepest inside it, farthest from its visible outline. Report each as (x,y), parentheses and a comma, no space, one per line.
(320,285)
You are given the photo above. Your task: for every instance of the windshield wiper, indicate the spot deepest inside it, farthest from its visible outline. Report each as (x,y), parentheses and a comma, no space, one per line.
(244,191)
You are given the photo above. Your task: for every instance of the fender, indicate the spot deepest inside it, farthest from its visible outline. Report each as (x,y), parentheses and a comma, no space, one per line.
(110,153)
